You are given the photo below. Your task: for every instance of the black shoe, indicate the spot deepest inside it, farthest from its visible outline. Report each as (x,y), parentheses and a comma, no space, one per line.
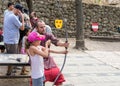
(8,74)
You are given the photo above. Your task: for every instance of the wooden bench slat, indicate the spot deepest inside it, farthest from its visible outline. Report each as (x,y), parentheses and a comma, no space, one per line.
(14,76)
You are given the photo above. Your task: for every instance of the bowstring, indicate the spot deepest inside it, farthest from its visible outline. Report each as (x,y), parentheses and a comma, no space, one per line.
(60,11)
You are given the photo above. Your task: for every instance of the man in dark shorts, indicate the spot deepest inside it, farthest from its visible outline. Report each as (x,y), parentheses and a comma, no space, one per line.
(11,32)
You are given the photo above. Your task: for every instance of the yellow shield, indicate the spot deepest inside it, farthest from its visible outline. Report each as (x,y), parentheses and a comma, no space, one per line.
(58,23)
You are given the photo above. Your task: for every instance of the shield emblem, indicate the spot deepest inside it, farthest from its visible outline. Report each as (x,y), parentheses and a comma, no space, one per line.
(58,23)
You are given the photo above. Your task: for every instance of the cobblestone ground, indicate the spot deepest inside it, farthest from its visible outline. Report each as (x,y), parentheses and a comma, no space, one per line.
(90,45)
(14,82)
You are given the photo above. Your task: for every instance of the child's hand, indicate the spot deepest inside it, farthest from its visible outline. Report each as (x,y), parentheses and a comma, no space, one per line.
(43,48)
(66,45)
(65,52)
(48,42)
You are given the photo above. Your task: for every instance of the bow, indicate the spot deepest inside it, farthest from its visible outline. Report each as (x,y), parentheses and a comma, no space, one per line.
(60,11)
(66,34)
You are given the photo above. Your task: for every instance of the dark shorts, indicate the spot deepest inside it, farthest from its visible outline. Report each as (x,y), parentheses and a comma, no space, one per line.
(11,48)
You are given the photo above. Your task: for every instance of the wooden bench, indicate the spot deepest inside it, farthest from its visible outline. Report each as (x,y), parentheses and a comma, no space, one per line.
(14,60)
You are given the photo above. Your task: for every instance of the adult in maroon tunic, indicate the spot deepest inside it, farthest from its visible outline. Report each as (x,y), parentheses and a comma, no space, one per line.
(51,69)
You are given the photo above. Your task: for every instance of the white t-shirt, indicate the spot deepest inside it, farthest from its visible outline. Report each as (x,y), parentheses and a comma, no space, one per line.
(37,66)
(48,29)
(7,12)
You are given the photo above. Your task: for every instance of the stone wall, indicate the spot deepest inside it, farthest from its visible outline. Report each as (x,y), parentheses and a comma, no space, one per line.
(107,17)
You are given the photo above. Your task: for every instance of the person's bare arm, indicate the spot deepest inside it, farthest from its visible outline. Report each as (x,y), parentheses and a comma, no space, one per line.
(59,43)
(22,18)
(43,53)
(58,52)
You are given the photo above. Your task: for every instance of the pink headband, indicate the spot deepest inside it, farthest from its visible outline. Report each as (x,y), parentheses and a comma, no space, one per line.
(34,36)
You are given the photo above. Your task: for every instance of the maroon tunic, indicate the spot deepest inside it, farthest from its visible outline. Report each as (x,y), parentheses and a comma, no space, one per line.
(49,62)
